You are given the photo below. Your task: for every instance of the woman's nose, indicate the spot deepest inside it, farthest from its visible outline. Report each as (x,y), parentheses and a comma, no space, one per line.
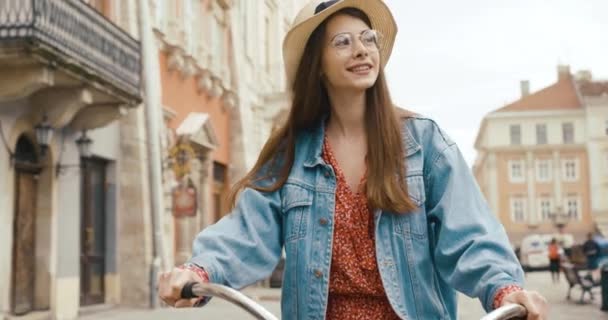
(359,49)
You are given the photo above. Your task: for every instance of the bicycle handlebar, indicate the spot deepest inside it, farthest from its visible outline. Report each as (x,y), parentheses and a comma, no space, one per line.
(195,289)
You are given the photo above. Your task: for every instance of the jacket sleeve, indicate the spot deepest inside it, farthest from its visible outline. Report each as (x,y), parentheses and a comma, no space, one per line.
(471,249)
(244,246)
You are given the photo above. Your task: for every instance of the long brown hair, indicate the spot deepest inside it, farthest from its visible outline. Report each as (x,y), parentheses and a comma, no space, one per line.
(386,186)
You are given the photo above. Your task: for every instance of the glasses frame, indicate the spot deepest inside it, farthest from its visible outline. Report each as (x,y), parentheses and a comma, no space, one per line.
(349,49)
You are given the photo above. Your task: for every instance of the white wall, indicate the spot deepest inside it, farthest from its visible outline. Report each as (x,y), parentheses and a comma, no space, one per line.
(255,83)
(597,147)
(6,219)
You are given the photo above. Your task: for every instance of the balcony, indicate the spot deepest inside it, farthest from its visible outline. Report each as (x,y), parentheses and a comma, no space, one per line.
(64,50)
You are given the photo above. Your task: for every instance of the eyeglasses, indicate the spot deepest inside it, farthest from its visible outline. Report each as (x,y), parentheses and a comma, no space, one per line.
(344,42)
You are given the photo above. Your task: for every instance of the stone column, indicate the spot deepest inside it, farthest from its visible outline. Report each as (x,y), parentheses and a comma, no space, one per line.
(134,234)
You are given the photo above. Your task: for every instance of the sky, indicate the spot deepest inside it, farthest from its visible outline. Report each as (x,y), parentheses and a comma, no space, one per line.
(456,61)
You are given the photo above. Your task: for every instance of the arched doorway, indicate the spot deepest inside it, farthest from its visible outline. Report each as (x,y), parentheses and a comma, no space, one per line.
(27,168)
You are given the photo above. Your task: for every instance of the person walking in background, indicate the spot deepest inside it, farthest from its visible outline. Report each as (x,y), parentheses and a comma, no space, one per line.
(376,209)
(554,260)
(592,250)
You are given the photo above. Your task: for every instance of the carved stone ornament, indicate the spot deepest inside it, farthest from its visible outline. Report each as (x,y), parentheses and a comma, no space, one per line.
(205,82)
(176,60)
(189,69)
(217,89)
(230,100)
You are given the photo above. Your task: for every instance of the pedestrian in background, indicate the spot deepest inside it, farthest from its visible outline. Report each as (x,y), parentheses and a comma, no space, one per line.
(554,260)
(591,249)
(379,214)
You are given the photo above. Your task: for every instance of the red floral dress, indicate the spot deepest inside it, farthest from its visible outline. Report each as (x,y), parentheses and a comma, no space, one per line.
(355,287)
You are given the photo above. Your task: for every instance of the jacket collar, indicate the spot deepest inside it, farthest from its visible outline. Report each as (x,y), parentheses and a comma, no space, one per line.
(314,151)
(315,137)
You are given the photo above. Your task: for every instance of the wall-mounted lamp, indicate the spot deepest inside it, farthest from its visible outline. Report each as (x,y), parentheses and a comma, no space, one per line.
(84,150)
(44,134)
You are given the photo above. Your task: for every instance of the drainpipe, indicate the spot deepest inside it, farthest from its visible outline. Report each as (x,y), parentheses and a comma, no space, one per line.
(152,98)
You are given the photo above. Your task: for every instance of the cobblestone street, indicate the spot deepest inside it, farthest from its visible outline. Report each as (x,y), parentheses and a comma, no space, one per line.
(561,309)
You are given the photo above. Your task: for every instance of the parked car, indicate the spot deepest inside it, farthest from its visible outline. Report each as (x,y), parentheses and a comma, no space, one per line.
(534,250)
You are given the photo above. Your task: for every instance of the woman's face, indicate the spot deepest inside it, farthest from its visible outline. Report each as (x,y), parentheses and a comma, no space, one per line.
(350,58)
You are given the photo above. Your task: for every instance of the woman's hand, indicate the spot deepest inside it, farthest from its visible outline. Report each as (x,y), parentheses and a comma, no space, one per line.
(537,306)
(170,286)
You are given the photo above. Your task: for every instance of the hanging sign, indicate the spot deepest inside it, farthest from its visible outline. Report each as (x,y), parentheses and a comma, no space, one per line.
(184,201)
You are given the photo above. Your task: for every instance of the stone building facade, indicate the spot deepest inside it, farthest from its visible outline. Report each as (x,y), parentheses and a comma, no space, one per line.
(69,74)
(542,160)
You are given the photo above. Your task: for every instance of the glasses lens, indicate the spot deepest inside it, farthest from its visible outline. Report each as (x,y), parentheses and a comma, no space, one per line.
(342,41)
(372,39)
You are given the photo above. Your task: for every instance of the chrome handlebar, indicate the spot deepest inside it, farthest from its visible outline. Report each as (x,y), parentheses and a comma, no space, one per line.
(192,290)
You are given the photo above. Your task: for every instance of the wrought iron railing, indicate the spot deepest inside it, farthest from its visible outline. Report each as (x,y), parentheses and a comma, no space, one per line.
(77,33)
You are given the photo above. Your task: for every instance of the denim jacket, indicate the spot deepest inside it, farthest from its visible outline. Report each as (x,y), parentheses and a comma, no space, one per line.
(451,242)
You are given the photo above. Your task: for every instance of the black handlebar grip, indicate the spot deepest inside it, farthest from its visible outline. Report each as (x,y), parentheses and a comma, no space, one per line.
(187,292)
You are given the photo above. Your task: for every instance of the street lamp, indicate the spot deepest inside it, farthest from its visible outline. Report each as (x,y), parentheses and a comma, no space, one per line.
(44,134)
(84,150)
(84,145)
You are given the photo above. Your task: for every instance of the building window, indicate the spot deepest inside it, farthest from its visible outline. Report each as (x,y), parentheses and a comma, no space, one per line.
(518,209)
(516,171)
(573,208)
(570,170)
(541,134)
(545,209)
(543,170)
(515,133)
(606,127)
(568,132)
(219,172)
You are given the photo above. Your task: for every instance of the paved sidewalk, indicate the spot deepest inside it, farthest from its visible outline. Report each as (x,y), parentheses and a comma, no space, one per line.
(561,309)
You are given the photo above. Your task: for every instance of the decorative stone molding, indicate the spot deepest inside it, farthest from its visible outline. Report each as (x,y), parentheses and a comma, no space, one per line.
(217,89)
(197,129)
(160,41)
(21,81)
(225,4)
(230,100)
(205,81)
(176,61)
(190,68)
(97,116)
(59,105)
(169,113)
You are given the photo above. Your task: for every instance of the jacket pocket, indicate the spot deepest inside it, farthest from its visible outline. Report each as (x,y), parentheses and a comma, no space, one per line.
(413,224)
(296,203)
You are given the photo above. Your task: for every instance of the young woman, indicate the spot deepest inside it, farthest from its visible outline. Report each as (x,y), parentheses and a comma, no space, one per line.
(378,214)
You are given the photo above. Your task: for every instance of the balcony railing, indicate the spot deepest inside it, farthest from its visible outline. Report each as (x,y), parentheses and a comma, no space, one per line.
(75,33)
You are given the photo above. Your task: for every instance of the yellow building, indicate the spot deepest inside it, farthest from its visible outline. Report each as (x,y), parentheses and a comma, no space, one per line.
(542,160)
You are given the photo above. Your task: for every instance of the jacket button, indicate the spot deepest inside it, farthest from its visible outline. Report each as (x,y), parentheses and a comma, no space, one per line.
(323,221)
(318,273)
(326,173)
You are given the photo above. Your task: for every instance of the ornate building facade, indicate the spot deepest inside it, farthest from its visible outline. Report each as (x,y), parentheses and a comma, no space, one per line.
(69,77)
(543,160)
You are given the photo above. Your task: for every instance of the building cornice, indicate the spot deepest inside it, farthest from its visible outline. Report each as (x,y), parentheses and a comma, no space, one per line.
(535,113)
(536,148)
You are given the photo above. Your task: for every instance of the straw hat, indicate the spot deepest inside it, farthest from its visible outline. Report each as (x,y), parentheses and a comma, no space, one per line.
(314,13)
